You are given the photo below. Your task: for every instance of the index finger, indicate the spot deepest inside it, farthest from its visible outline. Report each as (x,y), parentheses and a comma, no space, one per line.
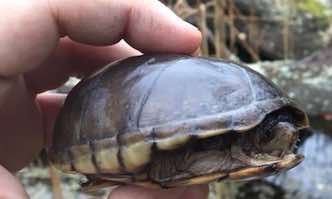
(33,28)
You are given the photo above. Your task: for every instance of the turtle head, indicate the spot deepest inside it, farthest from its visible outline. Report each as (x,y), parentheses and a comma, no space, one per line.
(268,148)
(277,141)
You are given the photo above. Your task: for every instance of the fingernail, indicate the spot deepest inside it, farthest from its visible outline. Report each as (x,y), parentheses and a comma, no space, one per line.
(191,26)
(197,52)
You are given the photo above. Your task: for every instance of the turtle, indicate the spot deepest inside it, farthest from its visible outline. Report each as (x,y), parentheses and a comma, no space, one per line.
(168,120)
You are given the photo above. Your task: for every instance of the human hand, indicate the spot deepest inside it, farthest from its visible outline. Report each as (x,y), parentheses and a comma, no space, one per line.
(42,43)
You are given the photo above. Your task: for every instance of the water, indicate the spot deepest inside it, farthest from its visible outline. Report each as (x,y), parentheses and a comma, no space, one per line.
(312,178)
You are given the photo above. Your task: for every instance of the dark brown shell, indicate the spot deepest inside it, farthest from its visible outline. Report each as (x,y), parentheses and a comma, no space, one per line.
(116,117)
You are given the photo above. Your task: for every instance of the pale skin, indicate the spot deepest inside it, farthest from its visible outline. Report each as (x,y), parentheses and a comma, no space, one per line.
(43,42)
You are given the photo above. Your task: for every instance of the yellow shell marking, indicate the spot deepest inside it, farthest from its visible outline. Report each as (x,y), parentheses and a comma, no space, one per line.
(172,142)
(136,155)
(66,167)
(211,133)
(82,155)
(106,156)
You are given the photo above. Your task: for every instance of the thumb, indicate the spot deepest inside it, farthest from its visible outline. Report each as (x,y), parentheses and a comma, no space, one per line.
(10,187)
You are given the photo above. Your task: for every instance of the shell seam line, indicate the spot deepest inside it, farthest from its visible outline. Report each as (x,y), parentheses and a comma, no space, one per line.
(250,84)
(146,97)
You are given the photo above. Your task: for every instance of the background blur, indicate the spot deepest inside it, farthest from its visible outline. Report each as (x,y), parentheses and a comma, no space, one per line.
(289,41)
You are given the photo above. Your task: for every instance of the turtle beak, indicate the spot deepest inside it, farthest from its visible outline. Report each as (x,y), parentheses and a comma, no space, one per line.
(287,162)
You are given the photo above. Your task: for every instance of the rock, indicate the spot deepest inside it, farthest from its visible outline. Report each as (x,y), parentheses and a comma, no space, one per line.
(284,30)
(308,81)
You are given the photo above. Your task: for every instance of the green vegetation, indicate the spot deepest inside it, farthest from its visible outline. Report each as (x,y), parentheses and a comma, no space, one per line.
(313,7)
